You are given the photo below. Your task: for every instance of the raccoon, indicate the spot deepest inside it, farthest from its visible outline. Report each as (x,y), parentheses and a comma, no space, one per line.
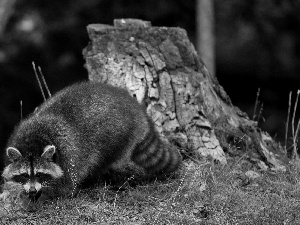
(80,132)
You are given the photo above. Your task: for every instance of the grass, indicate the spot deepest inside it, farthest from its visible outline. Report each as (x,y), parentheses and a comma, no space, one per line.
(204,193)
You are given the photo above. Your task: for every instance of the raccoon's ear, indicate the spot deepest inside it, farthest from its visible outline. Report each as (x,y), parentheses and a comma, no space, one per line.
(13,153)
(49,151)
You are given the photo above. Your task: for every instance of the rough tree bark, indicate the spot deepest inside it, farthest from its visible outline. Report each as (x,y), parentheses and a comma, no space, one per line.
(159,65)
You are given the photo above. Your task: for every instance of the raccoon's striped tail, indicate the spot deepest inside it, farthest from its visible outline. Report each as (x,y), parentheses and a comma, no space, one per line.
(157,156)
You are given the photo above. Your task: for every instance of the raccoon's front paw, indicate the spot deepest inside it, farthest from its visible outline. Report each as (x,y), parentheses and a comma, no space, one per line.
(70,192)
(26,202)
(63,191)
(30,203)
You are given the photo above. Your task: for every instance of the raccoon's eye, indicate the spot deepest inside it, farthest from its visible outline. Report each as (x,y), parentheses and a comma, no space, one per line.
(38,174)
(25,175)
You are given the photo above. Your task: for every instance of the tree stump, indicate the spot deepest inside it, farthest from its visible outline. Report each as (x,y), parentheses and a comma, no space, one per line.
(160,67)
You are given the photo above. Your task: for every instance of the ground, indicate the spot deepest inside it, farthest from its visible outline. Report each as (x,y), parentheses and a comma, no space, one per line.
(202,193)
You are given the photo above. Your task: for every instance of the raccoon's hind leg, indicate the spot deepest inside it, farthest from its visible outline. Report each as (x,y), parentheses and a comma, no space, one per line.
(156,156)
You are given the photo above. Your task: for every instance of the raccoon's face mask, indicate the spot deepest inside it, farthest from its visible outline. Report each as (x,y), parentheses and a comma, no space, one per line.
(32,172)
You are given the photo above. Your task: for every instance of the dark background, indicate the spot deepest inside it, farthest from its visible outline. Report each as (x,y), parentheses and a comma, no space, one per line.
(257,45)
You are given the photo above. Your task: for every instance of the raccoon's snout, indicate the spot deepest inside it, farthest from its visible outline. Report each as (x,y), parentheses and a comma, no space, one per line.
(32,188)
(32,191)
(34,195)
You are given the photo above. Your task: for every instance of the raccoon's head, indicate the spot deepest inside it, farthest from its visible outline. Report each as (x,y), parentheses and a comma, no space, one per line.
(33,172)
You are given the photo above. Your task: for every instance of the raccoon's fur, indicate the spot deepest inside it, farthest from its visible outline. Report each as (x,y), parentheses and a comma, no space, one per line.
(81,132)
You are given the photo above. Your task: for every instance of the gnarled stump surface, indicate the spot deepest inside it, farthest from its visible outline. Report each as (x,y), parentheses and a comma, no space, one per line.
(159,66)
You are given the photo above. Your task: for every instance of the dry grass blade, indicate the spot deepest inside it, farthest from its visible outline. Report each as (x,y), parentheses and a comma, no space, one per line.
(295,133)
(256,104)
(38,80)
(287,122)
(116,196)
(44,81)
(21,109)
(260,112)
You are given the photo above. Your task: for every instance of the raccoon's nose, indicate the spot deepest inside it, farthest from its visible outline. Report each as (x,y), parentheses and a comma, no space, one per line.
(32,191)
